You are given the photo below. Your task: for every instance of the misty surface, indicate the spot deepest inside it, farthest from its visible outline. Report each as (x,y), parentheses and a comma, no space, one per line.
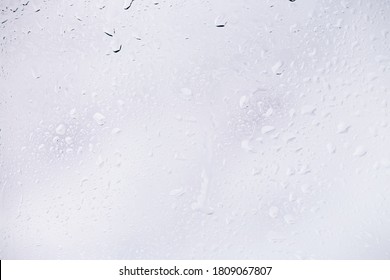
(179,129)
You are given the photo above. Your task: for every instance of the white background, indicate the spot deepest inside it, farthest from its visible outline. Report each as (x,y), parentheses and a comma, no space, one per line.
(304,270)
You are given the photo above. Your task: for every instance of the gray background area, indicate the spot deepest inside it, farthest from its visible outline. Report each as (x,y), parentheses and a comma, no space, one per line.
(149,132)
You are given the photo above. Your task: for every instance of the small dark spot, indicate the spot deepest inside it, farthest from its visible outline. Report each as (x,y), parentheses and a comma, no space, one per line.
(292,0)
(129,6)
(118,50)
(221,24)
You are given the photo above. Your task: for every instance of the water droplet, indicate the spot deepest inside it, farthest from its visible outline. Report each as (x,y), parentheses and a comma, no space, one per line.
(289,137)
(273,212)
(245,144)
(343,127)
(256,171)
(276,69)
(186,92)
(127,4)
(177,192)
(99,118)
(115,131)
(268,113)
(289,219)
(267,129)
(306,188)
(244,101)
(331,148)
(308,110)
(116,46)
(100,161)
(360,151)
(68,140)
(220,21)
(61,129)
(73,114)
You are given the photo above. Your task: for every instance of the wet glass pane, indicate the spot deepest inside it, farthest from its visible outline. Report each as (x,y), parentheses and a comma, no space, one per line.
(194,129)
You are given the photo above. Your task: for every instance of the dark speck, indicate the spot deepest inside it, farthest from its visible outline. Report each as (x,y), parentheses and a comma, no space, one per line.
(118,50)
(129,6)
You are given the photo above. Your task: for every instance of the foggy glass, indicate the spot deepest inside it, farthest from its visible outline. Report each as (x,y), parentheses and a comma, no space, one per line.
(194,129)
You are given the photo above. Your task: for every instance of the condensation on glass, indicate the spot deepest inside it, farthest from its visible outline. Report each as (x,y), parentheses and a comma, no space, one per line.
(194,129)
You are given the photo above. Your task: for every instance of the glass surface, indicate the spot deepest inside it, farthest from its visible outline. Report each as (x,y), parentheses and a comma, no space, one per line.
(194,129)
